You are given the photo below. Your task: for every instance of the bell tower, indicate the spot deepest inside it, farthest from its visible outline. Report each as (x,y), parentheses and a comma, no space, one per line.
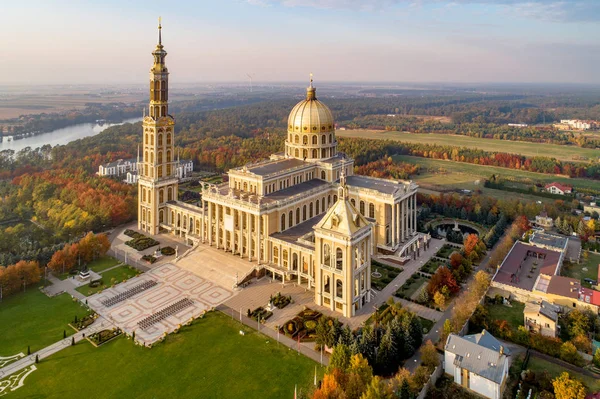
(158,182)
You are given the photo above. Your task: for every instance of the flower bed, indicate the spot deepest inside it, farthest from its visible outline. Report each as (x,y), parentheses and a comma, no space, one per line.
(431,266)
(132,234)
(149,258)
(85,321)
(281,301)
(142,242)
(100,337)
(446,251)
(259,313)
(167,251)
(304,324)
(95,283)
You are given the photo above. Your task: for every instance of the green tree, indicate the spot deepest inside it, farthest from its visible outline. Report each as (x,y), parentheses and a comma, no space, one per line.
(377,389)
(597,358)
(387,355)
(340,358)
(429,355)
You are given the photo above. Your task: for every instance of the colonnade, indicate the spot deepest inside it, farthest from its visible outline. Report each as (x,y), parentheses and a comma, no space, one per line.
(404,219)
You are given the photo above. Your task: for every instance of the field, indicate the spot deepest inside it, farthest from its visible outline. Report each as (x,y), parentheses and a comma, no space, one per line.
(31,318)
(575,270)
(538,364)
(513,315)
(562,152)
(110,277)
(453,173)
(209,359)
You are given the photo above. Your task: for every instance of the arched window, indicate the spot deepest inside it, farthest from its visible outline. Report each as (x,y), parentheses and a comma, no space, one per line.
(146,139)
(168,155)
(339,259)
(353,202)
(291,218)
(276,255)
(245,186)
(290,139)
(151,157)
(284,255)
(160,216)
(328,200)
(362,208)
(315,153)
(296,153)
(315,140)
(323,204)
(297,215)
(327,284)
(326,255)
(283,222)
(304,213)
(339,289)
(323,176)
(318,210)
(160,139)
(297,139)
(305,139)
(371,210)
(149,218)
(310,210)
(169,194)
(168,169)
(159,157)
(323,153)
(305,153)
(143,215)
(152,140)
(331,138)
(163,111)
(323,139)
(145,170)
(295,262)
(304,265)
(161,196)
(143,195)
(335,198)
(168,138)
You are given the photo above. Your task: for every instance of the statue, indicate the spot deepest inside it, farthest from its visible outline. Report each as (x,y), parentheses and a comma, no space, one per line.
(456,225)
(176,250)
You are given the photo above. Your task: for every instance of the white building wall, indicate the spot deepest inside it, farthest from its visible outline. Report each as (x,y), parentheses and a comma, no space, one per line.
(449,363)
(484,387)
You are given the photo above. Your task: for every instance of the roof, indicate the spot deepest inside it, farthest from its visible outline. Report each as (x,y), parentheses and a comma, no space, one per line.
(515,269)
(481,360)
(564,286)
(297,189)
(561,187)
(343,218)
(293,234)
(487,340)
(549,240)
(590,296)
(310,115)
(545,309)
(280,165)
(371,183)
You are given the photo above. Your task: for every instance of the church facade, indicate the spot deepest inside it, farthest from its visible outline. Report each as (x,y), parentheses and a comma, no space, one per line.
(301,215)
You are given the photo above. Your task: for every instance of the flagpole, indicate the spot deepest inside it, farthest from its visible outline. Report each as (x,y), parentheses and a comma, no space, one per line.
(315,375)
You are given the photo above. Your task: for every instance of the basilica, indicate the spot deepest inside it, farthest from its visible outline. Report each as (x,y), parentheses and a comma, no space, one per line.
(301,215)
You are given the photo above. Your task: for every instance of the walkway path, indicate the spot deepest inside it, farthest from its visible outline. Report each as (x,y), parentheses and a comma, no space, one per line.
(59,286)
(99,324)
(423,311)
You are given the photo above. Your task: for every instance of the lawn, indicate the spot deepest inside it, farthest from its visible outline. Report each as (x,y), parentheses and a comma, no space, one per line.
(431,266)
(98,265)
(109,278)
(576,270)
(478,172)
(388,273)
(31,318)
(562,152)
(209,359)
(513,315)
(538,364)
(446,251)
(408,289)
(426,323)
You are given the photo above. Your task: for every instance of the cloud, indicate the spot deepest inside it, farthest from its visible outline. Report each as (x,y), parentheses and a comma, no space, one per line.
(550,10)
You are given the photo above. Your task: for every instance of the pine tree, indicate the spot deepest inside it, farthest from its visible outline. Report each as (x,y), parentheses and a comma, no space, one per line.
(340,359)
(387,355)
(404,392)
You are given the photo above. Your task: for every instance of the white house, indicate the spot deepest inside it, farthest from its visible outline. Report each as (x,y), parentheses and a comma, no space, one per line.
(477,362)
(557,188)
(184,168)
(118,167)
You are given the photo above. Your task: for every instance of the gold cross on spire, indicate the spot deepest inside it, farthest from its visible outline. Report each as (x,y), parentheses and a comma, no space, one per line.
(159,31)
(311,79)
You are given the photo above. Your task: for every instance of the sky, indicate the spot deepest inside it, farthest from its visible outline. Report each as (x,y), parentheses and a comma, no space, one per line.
(110,41)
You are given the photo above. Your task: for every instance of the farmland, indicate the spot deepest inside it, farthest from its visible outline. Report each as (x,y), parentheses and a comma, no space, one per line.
(562,152)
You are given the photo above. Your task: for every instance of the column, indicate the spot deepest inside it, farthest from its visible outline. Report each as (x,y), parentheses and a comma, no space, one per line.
(266,252)
(202,222)
(257,221)
(393,223)
(402,218)
(249,237)
(210,207)
(217,227)
(241,242)
(398,213)
(415,212)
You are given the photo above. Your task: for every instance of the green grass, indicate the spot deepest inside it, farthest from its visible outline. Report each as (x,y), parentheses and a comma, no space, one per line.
(446,251)
(118,274)
(513,315)
(431,266)
(562,152)
(388,273)
(426,323)
(31,318)
(471,172)
(575,270)
(98,265)
(538,364)
(209,359)
(409,290)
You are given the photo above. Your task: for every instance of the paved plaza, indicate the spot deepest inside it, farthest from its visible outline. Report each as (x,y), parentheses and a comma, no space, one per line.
(177,296)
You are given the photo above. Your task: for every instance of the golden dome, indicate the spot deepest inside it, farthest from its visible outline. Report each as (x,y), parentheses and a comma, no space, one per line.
(310,115)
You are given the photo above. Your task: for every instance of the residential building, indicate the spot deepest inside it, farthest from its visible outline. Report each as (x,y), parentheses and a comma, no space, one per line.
(544,221)
(118,167)
(558,188)
(478,362)
(541,318)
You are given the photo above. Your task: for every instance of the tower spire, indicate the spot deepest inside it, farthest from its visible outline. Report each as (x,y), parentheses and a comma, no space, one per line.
(159,32)
(311,92)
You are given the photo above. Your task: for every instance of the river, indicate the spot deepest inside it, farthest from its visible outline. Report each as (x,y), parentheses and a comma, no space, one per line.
(59,136)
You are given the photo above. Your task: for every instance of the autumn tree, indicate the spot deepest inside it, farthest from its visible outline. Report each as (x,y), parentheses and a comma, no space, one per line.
(429,355)
(378,389)
(329,389)
(566,387)
(442,277)
(470,244)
